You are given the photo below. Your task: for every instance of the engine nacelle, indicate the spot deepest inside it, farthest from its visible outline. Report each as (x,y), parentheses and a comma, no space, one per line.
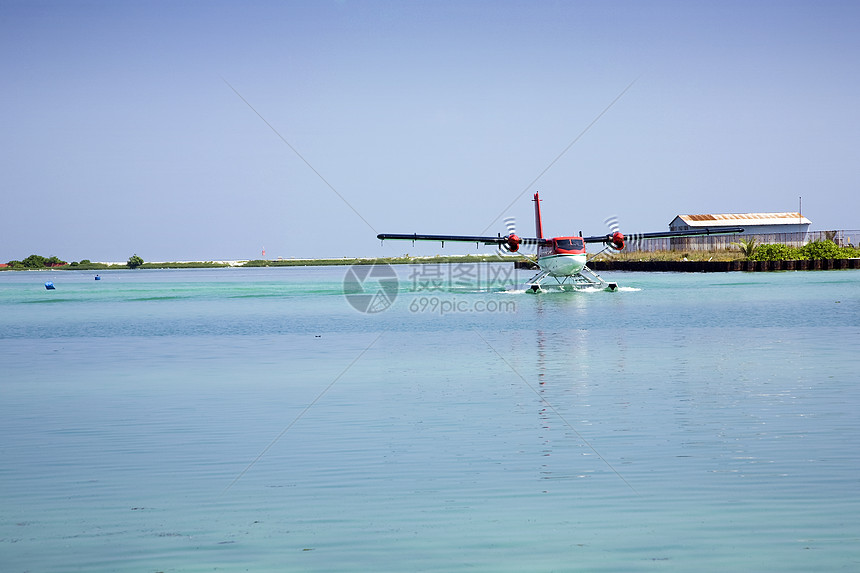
(616,241)
(513,242)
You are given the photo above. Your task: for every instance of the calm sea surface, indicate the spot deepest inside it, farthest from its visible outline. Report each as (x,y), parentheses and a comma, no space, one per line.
(254,420)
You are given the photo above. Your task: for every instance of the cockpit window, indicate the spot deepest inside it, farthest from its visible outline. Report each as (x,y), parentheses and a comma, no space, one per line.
(569,244)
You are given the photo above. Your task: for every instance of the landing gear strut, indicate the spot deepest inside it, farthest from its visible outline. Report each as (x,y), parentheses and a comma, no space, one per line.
(586,278)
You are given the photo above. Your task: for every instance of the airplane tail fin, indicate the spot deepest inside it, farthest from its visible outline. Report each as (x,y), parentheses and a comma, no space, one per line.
(538,225)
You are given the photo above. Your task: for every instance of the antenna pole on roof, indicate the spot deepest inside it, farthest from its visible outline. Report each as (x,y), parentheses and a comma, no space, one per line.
(800,217)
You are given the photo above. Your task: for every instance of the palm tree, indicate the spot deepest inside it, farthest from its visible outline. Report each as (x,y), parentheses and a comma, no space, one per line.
(747,246)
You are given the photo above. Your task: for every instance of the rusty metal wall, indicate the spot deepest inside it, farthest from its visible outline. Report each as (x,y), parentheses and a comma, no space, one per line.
(843,238)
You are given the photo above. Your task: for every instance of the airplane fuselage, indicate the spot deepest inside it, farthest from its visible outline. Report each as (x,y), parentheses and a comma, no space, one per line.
(562,256)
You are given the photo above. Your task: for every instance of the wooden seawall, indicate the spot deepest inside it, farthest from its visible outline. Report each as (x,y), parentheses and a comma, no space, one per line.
(724,266)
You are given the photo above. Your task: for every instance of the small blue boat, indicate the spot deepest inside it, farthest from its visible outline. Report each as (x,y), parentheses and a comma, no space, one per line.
(49,285)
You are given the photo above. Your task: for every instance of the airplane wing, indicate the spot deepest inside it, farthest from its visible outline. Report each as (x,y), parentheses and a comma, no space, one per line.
(497,240)
(510,242)
(667,234)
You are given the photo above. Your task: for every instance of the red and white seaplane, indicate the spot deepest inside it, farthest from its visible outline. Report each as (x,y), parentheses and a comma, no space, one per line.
(562,258)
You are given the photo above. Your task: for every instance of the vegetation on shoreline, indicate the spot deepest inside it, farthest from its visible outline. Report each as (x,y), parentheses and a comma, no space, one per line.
(136,262)
(36,262)
(809,251)
(661,256)
(86,265)
(748,251)
(404,260)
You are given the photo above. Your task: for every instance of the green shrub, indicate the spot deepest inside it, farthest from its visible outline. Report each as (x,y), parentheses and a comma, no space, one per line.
(814,250)
(775,252)
(134,261)
(822,250)
(36,262)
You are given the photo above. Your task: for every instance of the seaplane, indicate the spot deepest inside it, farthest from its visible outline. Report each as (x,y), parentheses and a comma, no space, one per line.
(563,259)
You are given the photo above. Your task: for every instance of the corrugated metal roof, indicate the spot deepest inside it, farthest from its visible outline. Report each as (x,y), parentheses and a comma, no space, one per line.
(745,219)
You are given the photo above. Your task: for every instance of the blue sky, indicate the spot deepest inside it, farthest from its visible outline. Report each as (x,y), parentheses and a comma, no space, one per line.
(121,134)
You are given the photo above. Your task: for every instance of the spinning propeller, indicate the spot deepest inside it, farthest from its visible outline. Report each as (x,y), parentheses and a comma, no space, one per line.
(511,242)
(617,240)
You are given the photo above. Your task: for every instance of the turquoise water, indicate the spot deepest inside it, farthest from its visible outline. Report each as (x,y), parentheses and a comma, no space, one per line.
(233,420)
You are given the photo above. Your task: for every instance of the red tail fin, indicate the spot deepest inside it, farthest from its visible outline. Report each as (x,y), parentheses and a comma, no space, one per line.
(538,225)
